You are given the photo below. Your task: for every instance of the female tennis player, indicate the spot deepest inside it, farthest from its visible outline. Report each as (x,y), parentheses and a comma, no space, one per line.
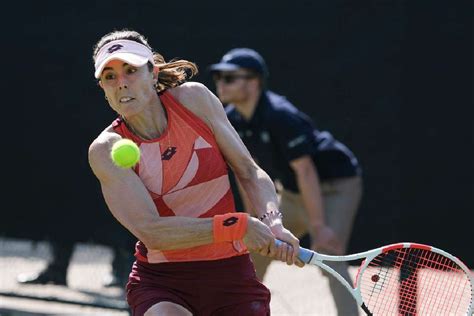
(192,257)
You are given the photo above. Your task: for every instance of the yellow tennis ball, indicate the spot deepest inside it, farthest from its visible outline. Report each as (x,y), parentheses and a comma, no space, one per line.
(125,153)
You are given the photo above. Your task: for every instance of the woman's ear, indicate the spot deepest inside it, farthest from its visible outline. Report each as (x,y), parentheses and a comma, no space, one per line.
(100,84)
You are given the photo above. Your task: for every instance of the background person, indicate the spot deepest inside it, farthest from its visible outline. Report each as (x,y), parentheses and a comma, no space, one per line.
(317,177)
(192,253)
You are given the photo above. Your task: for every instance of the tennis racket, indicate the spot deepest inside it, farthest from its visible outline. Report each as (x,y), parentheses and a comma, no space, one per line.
(405,279)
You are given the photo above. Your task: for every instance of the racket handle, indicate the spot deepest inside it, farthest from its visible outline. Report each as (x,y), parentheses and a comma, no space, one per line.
(304,254)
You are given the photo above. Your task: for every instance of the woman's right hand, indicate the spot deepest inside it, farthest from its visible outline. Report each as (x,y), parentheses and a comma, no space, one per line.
(260,239)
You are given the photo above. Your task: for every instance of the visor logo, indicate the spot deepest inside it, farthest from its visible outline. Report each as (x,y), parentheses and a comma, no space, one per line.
(114,48)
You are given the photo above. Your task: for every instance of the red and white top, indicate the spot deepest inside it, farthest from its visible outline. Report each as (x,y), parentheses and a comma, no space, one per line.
(186,175)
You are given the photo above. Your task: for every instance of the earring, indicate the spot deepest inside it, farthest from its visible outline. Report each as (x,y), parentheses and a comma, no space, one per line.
(106,98)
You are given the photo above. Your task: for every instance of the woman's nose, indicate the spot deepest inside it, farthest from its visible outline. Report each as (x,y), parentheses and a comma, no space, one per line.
(122,81)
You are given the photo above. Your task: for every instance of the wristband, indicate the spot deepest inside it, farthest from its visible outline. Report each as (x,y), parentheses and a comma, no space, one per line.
(229,227)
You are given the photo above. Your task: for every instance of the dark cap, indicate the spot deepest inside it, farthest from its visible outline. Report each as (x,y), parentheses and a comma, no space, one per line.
(238,58)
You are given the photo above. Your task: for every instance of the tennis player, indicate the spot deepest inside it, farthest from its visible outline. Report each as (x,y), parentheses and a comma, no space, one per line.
(192,257)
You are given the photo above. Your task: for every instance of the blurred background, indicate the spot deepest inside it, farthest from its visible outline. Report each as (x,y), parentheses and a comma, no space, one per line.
(392,79)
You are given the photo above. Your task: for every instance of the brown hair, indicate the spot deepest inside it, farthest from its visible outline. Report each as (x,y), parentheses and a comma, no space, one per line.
(171,74)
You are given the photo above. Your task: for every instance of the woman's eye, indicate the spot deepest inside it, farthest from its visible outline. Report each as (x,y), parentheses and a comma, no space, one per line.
(109,76)
(131,70)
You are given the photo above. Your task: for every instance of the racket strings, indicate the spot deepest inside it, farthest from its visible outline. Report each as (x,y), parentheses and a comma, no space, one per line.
(411,281)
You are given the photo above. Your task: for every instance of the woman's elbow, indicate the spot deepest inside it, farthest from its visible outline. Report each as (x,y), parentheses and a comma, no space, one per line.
(149,234)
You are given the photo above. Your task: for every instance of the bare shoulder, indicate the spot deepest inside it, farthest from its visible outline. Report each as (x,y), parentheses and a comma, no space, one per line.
(190,92)
(99,150)
(197,98)
(101,142)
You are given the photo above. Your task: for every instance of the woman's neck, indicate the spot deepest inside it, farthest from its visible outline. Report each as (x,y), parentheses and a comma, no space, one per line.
(149,124)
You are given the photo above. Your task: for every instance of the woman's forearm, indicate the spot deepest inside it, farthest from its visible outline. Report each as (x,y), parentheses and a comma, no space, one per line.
(260,191)
(174,232)
(247,205)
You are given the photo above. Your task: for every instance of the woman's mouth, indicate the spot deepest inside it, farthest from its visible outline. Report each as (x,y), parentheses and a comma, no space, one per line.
(125,99)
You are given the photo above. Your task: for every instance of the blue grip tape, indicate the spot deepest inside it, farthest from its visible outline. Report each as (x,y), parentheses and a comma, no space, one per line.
(304,255)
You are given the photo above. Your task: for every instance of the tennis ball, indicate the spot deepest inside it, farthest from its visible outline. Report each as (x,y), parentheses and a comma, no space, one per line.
(125,153)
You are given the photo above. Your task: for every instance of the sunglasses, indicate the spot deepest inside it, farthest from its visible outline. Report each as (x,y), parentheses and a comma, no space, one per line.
(231,78)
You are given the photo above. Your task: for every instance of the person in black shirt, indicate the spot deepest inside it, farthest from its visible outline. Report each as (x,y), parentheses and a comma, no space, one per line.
(318,178)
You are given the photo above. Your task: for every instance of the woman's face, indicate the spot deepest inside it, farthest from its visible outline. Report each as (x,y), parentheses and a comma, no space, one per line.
(128,88)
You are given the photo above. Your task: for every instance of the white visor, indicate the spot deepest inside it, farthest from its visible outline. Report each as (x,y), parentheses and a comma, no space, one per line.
(131,52)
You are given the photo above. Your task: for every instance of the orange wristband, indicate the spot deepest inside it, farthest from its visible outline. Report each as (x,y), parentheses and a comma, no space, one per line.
(229,227)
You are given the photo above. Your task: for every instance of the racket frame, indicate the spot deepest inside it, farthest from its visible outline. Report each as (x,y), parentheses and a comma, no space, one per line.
(317,259)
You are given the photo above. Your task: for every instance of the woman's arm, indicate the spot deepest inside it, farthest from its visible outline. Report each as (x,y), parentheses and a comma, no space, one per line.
(256,182)
(248,207)
(130,203)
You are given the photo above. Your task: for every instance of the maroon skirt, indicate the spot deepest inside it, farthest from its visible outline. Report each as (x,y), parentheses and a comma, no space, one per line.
(218,287)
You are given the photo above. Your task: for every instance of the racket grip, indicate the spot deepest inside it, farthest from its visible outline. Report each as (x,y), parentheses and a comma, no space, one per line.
(304,254)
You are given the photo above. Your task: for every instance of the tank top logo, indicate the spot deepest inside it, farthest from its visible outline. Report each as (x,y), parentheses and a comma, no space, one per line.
(169,152)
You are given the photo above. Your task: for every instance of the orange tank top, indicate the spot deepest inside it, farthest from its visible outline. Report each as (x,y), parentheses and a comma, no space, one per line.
(186,175)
